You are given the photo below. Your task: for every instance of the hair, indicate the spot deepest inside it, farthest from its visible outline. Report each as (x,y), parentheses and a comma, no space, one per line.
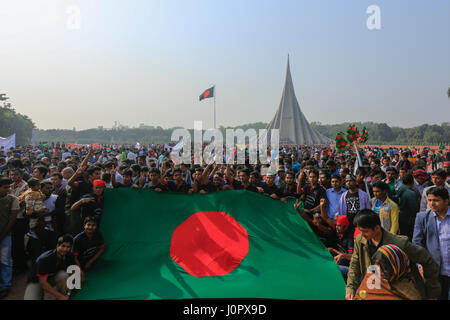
(92,169)
(154,170)
(440,192)
(32,182)
(57,174)
(331,163)
(108,164)
(345,171)
(136,167)
(65,238)
(42,170)
(336,176)
(380,185)
(5,181)
(15,163)
(144,169)
(377,161)
(407,179)
(245,170)
(128,172)
(375,172)
(90,219)
(326,173)
(440,172)
(199,170)
(292,173)
(394,169)
(361,171)
(314,172)
(45,182)
(255,174)
(177,171)
(17,170)
(106,177)
(366,218)
(310,163)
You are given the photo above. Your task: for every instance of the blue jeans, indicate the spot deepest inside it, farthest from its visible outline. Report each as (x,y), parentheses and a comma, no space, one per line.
(6,262)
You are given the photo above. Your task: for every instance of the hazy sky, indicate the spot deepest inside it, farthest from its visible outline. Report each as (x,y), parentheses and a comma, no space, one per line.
(147,61)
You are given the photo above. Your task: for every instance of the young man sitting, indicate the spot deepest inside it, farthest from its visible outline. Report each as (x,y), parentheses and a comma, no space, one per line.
(49,272)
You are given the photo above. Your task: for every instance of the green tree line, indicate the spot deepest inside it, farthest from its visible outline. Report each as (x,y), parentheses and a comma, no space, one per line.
(12,122)
(379,133)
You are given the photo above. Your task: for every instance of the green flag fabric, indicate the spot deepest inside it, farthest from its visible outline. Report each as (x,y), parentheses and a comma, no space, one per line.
(208,93)
(230,244)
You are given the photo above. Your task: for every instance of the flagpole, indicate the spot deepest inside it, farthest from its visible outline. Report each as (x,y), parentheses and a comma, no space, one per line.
(215,106)
(360,165)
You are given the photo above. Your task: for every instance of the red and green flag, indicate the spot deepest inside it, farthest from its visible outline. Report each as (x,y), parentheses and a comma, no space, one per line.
(208,93)
(231,244)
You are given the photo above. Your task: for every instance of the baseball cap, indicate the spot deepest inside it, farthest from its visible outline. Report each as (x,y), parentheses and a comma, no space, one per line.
(419,173)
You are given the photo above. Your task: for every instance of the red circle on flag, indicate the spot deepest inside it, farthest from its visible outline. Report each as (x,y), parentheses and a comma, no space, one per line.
(343,143)
(206,94)
(209,243)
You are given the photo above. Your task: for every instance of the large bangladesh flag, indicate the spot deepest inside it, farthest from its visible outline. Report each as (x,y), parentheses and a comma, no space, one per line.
(230,244)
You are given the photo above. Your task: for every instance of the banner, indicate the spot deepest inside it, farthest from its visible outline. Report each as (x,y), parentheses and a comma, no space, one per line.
(8,143)
(79,146)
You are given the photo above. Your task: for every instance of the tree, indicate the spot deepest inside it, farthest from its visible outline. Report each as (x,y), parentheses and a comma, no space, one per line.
(12,122)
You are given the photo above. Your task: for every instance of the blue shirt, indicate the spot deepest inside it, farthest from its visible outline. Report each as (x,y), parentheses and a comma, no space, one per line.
(378,204)
(443,226)
(333,202)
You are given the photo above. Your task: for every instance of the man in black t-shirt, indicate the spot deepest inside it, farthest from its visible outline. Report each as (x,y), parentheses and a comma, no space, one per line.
(91,204)
(243,182)
(289,187)
(352,199)
(269,188)
(155,181)
(50,270)
(178,184)
(313,193)
(89,245)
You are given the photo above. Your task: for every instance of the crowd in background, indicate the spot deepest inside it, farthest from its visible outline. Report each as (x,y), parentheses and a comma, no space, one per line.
(51,204)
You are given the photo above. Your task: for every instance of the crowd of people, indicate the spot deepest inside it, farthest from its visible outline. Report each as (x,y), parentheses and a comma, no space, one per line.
(390,210)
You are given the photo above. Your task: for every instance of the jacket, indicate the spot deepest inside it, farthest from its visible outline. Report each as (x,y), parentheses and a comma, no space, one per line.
(361,261)
(424,201)
(409,204)
(426,235)
(363,200)
(388,214)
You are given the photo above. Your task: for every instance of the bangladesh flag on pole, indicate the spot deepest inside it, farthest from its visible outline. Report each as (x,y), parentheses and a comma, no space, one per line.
(208,93)
(231,244)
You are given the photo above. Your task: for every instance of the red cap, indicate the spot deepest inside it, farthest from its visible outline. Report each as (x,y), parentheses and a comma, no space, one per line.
(447,164)
(99,183)
(419,172)
(343,221)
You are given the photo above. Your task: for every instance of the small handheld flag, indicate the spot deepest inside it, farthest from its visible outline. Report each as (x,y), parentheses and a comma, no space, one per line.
(208,93)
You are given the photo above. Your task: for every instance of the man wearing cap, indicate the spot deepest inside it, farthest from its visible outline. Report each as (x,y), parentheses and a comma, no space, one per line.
(344,234)
(92,204)
(421,180)
(447,169)
(438,178)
